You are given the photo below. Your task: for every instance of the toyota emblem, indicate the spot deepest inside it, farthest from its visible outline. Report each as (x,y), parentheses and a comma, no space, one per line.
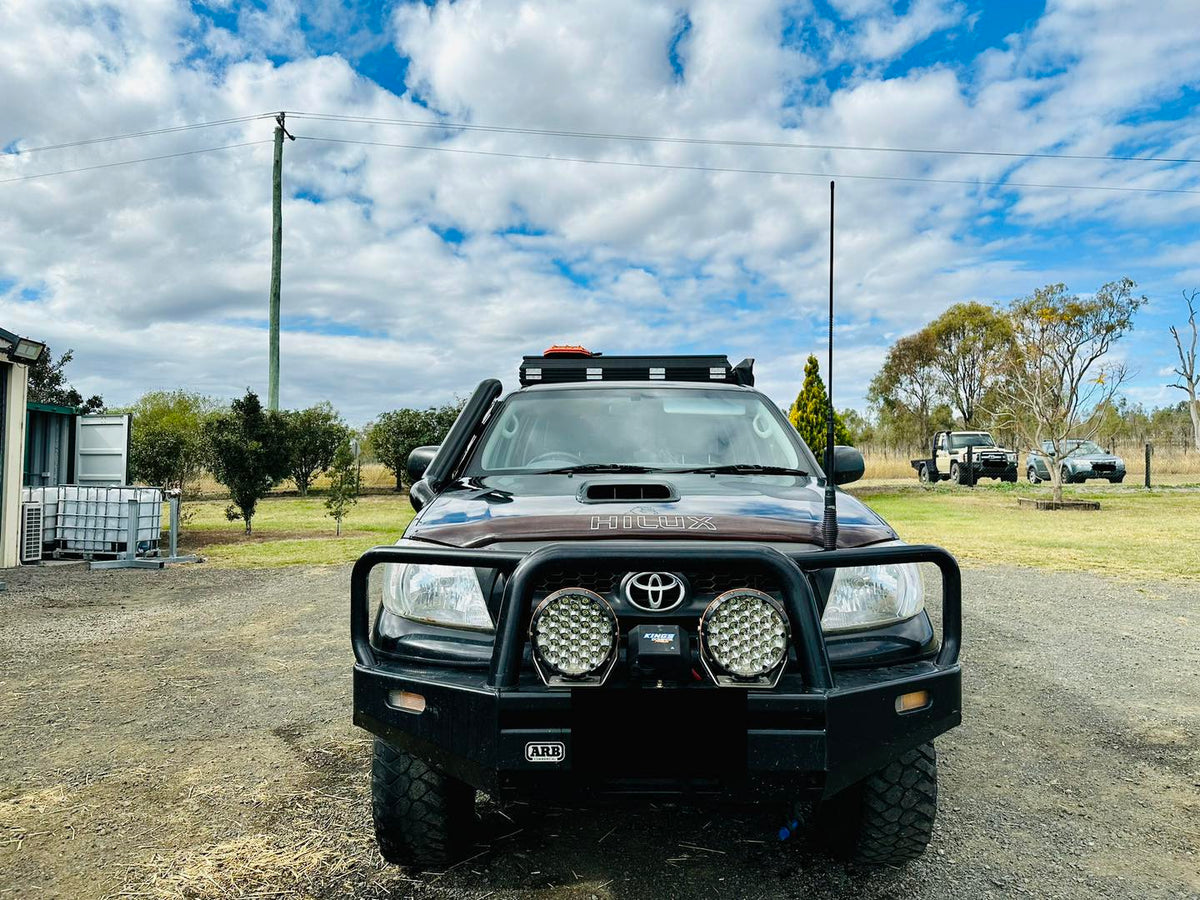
(655,591)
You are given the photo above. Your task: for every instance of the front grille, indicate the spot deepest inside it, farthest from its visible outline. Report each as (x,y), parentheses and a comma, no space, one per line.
(607,582)
(719,583)
(1104,467)
(597,580)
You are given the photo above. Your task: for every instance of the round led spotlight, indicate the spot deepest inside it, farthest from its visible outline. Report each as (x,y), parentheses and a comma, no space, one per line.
(745,633)
(574,637)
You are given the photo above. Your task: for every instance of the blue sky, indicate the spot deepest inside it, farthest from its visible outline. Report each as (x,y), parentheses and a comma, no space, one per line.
(409,275)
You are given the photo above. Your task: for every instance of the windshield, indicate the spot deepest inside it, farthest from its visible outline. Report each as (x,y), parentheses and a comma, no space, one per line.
(655,428)
(963,441)
(1081,448)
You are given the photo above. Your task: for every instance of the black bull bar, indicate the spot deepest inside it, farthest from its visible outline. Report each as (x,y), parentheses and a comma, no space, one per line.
(858,701)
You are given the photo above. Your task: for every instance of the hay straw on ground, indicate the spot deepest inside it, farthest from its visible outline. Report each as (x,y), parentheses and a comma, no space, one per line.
(255,865)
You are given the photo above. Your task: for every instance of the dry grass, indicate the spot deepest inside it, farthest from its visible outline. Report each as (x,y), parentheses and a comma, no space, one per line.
(321,847)
(375,478)
(253,865)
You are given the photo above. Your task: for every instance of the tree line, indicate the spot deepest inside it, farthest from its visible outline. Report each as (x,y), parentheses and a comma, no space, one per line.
(179,435)
(1040,369)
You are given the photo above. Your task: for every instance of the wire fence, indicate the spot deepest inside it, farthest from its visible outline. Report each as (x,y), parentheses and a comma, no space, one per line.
(1170,461)
(376,479)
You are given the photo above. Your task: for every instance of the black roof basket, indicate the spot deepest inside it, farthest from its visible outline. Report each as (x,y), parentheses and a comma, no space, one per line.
(560,369)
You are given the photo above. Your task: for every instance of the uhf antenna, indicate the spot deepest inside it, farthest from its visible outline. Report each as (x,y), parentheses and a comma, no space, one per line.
(829,527)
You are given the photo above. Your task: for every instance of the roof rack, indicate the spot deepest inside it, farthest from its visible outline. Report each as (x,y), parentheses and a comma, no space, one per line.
(559,368)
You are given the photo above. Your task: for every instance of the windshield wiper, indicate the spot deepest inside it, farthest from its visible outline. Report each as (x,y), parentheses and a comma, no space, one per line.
(743,469)
(598,467)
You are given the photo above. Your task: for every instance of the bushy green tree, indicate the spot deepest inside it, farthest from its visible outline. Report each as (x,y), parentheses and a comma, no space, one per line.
(809,414)
(167,443)
(314,435)
(904,392)
(48,384)
(343,483)
(248,453)
(969,343)
(395,434)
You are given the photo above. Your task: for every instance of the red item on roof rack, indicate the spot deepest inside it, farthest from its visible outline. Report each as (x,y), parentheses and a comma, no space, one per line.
(570,350)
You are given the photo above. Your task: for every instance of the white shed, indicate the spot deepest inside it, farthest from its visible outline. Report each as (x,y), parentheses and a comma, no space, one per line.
(16,355)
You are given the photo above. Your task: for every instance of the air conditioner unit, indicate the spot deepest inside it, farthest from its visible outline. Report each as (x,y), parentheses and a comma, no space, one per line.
(31,532)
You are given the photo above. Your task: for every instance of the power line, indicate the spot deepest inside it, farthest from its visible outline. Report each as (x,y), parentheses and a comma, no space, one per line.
(609,162)
(137,134)
(729,169)
(722,142)
(129,162)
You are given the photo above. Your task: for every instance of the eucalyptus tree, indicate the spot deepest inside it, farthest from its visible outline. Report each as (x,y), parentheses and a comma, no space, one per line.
(1057,380)
(968,345)
(905,391)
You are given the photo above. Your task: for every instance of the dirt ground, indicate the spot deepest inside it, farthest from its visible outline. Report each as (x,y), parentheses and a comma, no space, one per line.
(187,733)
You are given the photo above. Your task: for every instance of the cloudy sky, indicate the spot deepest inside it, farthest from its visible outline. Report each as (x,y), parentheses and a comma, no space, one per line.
(409,274)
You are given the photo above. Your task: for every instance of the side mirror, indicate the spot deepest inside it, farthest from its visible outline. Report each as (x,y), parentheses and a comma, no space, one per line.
(420,494)
(419,460)
(848,465)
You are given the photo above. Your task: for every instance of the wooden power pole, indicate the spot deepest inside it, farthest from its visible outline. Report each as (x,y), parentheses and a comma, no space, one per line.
(276,261)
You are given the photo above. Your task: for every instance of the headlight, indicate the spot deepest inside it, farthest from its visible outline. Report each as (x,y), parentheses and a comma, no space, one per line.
(862,596)
(574,637)
(441,595)
(744,632)
(1012,457)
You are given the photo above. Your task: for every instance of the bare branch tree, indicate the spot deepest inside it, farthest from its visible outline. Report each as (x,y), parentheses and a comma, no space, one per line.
(1189,374)
(1057,382)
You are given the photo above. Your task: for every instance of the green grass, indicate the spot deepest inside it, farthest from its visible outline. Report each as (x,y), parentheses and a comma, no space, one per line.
(292,531)
(1135,533)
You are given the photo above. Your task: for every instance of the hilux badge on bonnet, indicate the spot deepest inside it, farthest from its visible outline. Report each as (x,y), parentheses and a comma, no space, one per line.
(654,591)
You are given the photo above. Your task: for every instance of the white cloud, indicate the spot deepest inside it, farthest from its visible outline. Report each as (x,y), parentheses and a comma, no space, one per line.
(886,36)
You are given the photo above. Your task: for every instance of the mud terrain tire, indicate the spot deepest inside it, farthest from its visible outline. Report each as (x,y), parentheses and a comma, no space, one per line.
(423,817)
(887,818)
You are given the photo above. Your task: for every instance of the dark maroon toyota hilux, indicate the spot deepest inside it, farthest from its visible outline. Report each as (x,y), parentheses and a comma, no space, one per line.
(615,589)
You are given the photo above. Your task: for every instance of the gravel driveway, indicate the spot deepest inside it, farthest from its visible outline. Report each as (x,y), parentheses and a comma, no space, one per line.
(186,733)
